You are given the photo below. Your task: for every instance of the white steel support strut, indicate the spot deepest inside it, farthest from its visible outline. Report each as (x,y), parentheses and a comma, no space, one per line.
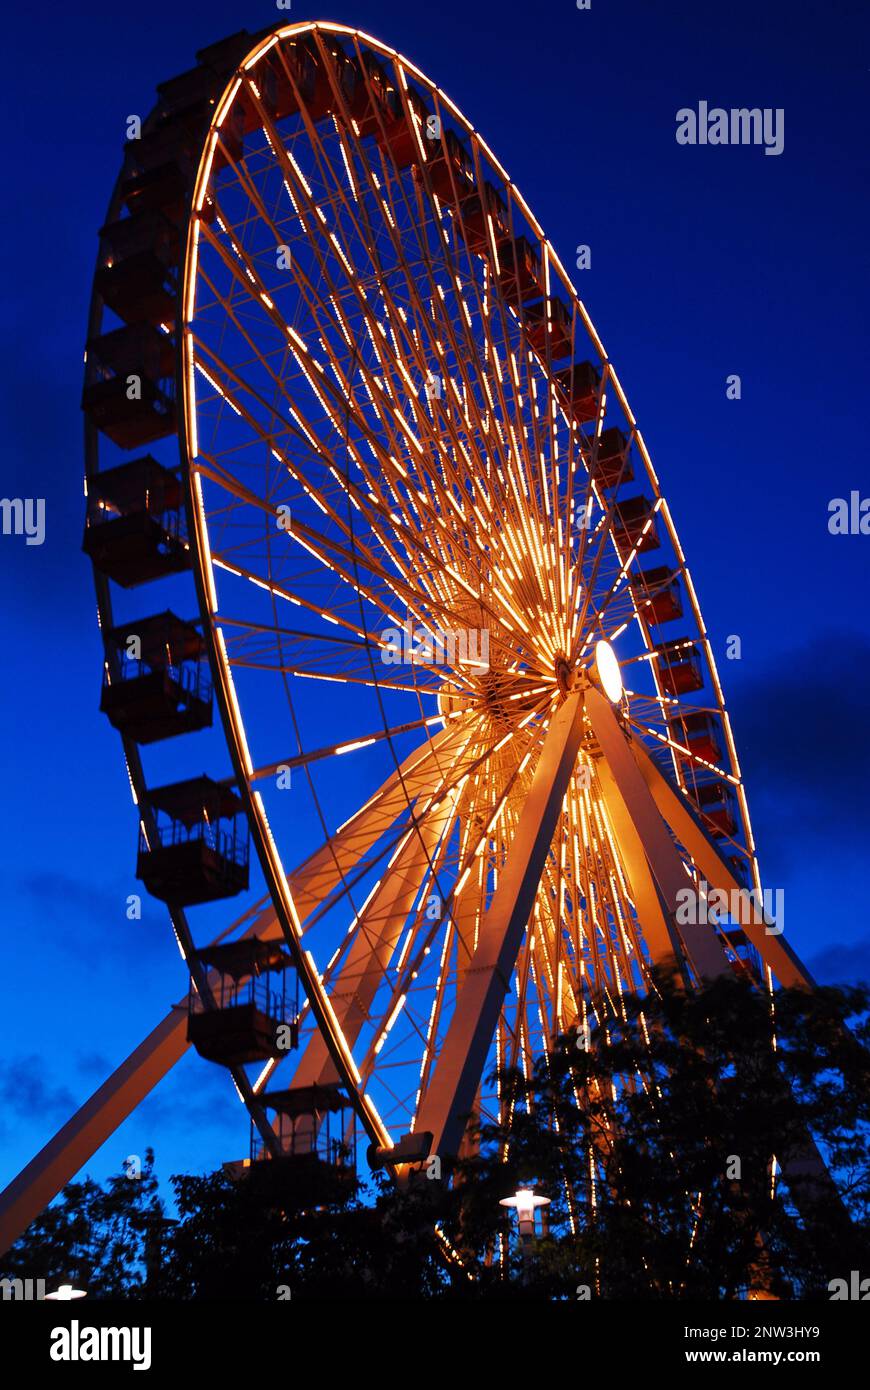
(770,944)
(804,1169)
(450,1096)
(94,1122)
(640,803)
(630,800)
(91,1125)
(376,936)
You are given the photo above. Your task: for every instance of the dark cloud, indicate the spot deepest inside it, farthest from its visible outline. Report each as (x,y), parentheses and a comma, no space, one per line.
(93,1064)
(101,905)
(102,911)
(191,1103)
(28,1091)
(800,726)
(843,963)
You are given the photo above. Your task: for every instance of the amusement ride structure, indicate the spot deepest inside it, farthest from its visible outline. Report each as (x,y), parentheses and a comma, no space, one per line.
(365,498)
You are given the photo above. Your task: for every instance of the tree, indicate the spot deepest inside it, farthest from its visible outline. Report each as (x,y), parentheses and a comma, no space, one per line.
(98,1237)
(249,1238)
(656,1143)
(653,1136)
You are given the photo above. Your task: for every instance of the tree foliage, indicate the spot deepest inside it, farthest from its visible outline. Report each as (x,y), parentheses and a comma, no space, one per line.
(653,1136)
(99,1237)
(656,1145)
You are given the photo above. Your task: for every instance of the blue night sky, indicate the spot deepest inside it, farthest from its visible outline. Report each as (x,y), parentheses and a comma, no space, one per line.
(706,261)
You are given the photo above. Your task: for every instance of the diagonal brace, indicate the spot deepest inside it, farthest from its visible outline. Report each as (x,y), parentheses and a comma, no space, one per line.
(458,1071)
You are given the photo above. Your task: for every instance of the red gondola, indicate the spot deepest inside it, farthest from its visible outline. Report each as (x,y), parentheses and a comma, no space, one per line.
(521,277)
(582,385)
(611,464)
(134,530)
(634,525)
(657,595)
(701,733)
(471,219)
(678,664)
(549,332)
(199,852)
(451,168)
(157,686)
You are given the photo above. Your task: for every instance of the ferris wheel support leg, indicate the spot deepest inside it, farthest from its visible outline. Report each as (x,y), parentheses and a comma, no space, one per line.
(450,1097)
(658,928)
(637,814)
(54,1166)
(772,947)
(805,1169)
(44,1177)
(314,879)
(377,934)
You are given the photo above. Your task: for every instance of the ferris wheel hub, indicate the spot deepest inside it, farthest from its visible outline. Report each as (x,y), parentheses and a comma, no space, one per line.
(566,675)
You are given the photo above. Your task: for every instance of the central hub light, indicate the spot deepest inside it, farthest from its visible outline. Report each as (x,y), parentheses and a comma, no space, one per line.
(607,673)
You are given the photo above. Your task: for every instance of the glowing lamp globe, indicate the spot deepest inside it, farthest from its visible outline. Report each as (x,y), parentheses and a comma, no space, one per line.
(607,673)
(525,1201)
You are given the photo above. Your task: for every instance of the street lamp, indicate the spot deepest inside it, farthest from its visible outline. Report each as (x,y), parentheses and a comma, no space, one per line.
(526,1202)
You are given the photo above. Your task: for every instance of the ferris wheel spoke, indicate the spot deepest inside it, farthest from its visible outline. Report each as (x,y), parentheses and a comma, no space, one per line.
(473,1022)
(236,407)
(584,622)
(448,324)
(430,605)
(688,758)
(335,398)
(385,363)
(281,591)
(341,660)
(374,938)
(393,1007)
(417,546)
(420,940)
(302,674)
(314,880)
(349,746)
(436,305)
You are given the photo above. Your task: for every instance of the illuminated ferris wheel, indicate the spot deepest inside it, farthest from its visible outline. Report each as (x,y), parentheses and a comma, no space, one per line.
(416,558)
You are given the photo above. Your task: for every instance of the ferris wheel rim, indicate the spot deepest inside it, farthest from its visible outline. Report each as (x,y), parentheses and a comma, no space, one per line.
(259,823)
(276,877)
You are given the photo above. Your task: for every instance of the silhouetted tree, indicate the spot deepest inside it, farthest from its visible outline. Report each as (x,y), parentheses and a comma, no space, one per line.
(655,1144)
(100,1237)
(654,1137)
(250,1238)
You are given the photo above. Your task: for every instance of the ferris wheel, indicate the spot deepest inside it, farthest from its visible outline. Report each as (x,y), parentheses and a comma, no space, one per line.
(419,565)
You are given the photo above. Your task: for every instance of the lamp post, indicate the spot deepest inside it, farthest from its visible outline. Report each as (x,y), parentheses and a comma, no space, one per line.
(526,1203)
(80,1268)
